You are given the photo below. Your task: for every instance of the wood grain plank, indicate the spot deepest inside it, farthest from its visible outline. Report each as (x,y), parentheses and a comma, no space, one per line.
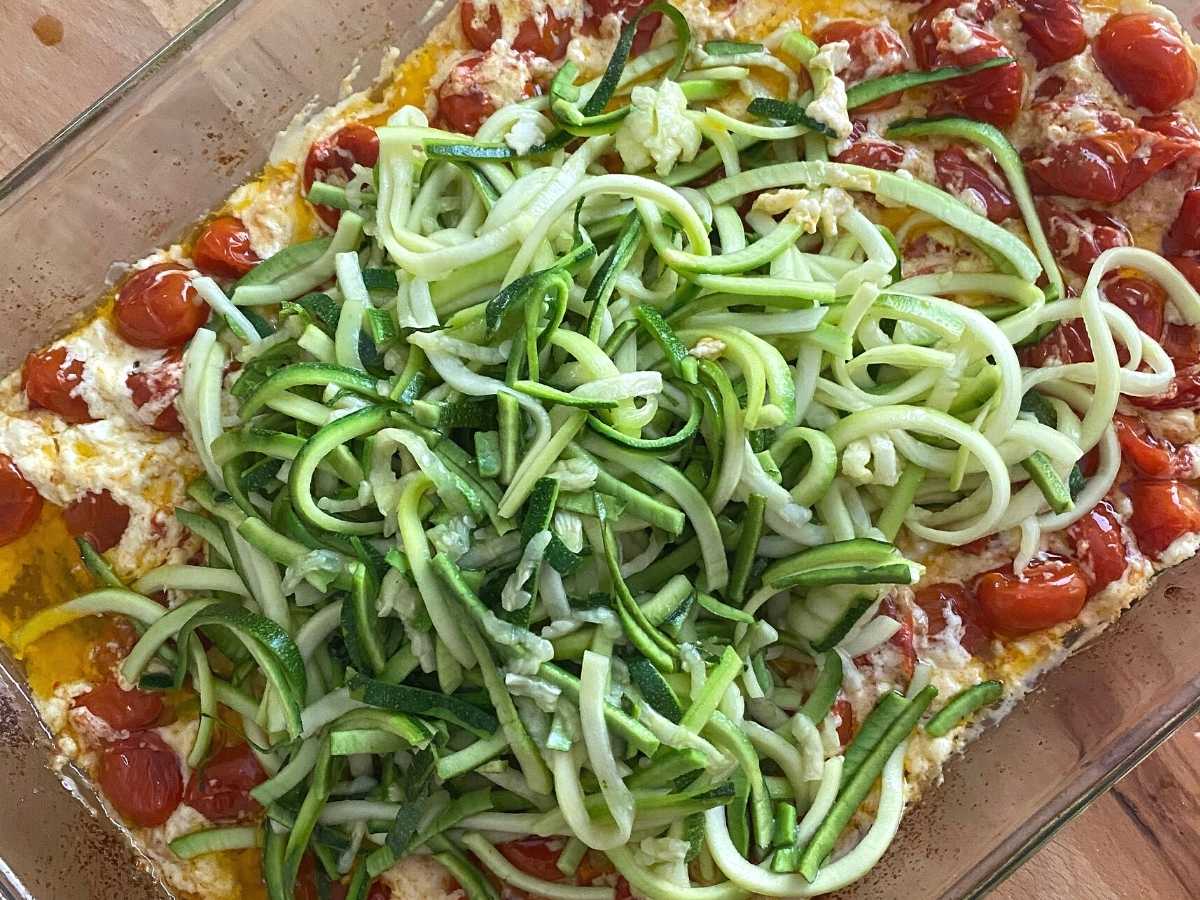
(1141,840)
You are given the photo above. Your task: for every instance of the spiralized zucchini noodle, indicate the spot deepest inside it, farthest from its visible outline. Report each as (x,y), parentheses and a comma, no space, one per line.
(511,518)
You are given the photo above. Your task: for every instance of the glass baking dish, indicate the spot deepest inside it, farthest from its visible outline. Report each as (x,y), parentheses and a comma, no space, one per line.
(166,145)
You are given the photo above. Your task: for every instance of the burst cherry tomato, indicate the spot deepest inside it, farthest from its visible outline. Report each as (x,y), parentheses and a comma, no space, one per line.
(536,856)
(624,10)
(157,385)
(1053,29)
(159,308)
(1172,124)
(51,381)
(1077,237)
(1182,344)
(141,779)
(1162,512)
(1145,301)
(547,39)
(464,101)
(1151,456)
(993,95)
(122,710)
(220,789)
(99,518)
(1049,88)
(944,599)
(1099,547)
(1049,592)
(901,642)
(845,714)
(874,153)
(1146,60)
(1105,167)
(958,174)
(223,249)
(333,159)
(481,24)
(20,503)
(1183,237)
(875,51)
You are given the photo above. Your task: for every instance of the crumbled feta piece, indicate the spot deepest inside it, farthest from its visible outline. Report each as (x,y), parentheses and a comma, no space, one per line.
(829,106)
(526,132)
(657,130)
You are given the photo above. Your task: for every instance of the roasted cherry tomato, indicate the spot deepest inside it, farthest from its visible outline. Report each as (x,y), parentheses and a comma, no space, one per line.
(547,38)
(876,50)
(959,174)
(52,381)
(1189,267)
(1146,60)
(1105,167)
(141,779)
(20,503)
(873,152)
(1182,343)
(1099,547)
(1172,124)
(156,385)
(536,856)
(464,101)
(332,160)
(223,249)
(122,710)
(845,713)
(624,10)
(993,95)
(1049,592)
(1183,237)
(1162,512)
(1151,456)
(220,789)
(1049,88)
(99,518)
(1053,29)
(1078,236)
(1145,301)
(946,599)
(159,308)
(481,23)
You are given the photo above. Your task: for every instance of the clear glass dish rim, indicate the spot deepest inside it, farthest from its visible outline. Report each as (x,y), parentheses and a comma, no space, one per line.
(1031,835)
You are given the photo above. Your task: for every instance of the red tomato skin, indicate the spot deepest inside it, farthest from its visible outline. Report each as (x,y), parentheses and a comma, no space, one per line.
(480,31)
(51,381)
(122,710)
(158,381)
(337,155)
(845,714)
(158,308)
(98,517)
(1162,512)
(957,172)
(1189,267)
(1078,236)
(874,153)
(379,891)
(220,789)
(869,43)
(993,95)
(1183,237)
(936,600)
(901,641)
(1105,167)
(623,891)
(1150,456)
(1054,30)
(625,10)
(1099,546)
(1050,591)
(20,503)
(1146,60)
(1145,301)
(223,249)
(140,777)
(536,856)
(1172,124)
(548,39)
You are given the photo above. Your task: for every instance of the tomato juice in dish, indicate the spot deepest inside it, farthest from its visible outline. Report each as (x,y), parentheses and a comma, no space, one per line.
(623,453)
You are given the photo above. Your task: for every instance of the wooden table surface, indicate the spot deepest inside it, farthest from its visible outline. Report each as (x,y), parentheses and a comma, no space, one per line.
(1142,839)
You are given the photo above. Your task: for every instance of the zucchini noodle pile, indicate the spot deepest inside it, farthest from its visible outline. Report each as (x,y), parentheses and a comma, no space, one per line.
(506,530)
